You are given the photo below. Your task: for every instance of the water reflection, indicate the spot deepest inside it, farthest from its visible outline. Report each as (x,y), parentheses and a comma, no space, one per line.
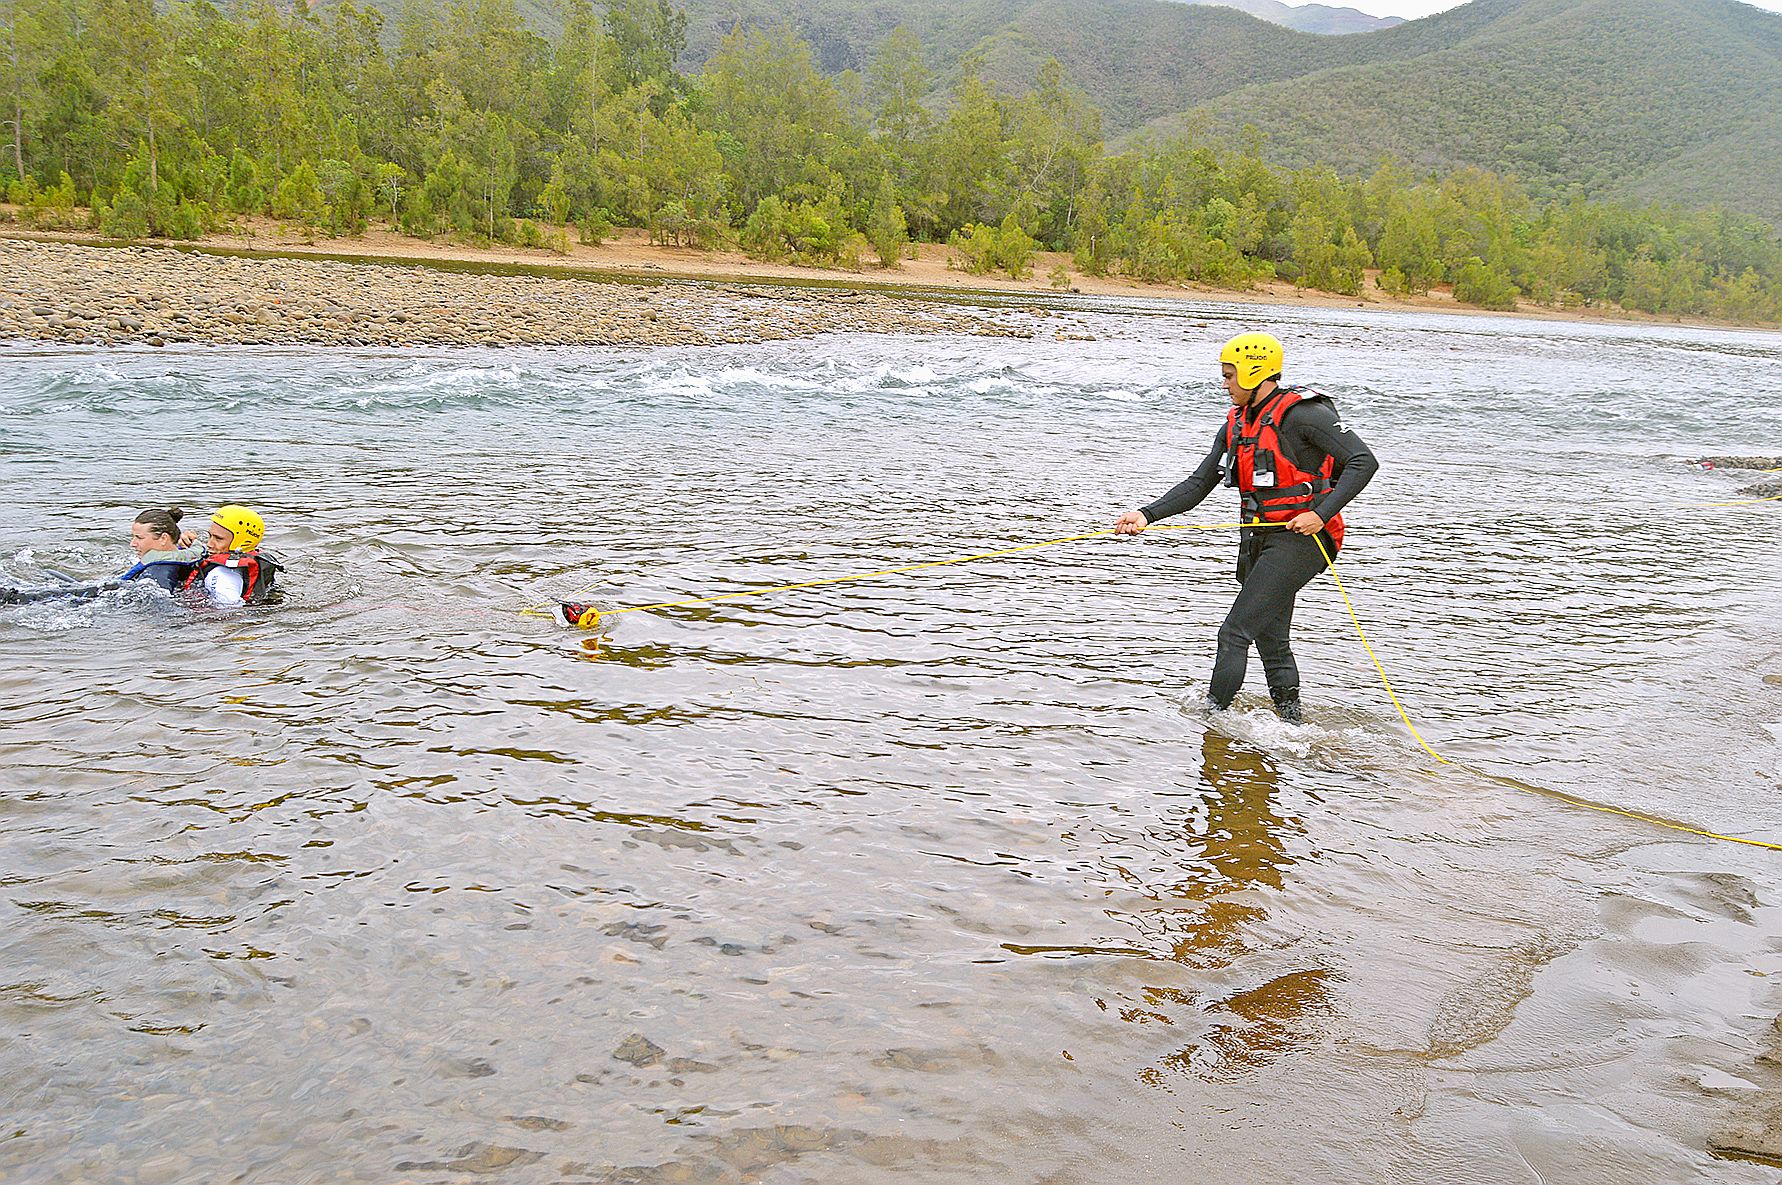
(1252,999)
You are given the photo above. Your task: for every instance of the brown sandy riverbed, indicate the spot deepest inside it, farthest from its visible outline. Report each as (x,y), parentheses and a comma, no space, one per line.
(629,253)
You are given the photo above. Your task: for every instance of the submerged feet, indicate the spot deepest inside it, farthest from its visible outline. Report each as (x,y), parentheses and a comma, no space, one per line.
(1287,707)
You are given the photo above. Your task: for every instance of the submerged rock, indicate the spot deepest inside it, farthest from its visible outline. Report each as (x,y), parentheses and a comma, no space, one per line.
(1755,1129)
(1759,463)
(476,1158)
(640,1051)
(1756,1133)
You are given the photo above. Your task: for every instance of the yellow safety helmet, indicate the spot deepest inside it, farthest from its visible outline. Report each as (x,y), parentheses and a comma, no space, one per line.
(247,527)
(1257,356)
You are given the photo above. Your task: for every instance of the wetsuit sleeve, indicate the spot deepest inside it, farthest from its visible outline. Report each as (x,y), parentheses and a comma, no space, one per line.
(1190,493)
(1311,432)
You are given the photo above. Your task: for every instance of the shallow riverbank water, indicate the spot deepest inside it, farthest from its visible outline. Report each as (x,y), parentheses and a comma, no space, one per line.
(935,878)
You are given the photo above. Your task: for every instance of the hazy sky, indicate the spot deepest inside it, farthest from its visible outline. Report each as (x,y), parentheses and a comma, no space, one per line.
(1416,8)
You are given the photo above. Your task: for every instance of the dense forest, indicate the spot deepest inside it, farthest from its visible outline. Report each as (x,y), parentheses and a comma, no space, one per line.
(461,121)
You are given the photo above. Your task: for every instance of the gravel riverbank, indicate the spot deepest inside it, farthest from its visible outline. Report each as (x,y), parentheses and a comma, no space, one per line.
(71,293)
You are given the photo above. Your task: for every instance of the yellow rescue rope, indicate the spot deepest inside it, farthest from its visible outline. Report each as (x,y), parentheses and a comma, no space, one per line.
(1562,796)
(593,616)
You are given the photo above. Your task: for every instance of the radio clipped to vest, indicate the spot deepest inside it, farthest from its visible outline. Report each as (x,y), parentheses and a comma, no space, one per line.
(1262,471)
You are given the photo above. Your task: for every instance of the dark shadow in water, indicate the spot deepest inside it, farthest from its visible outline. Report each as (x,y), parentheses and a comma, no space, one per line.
(1269,1000)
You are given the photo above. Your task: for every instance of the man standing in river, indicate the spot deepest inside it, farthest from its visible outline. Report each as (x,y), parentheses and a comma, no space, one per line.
(1293,463)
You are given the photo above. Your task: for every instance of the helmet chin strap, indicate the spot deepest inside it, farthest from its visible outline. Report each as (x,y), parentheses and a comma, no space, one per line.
(1255,393)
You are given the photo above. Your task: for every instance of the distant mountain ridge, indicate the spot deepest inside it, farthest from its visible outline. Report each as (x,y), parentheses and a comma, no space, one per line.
(1137,59)
(1309,18)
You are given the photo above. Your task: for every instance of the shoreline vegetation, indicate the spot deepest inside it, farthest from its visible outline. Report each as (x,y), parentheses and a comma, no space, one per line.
(460,124)
(72,287)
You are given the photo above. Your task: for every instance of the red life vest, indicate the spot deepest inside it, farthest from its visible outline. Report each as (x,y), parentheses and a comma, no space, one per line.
(258,573)
(1274,489)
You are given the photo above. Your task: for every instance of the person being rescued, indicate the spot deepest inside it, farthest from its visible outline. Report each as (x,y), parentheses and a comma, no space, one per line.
(155,538)
(233,569)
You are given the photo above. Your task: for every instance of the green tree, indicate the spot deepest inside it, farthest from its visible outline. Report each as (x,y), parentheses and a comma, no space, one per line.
(131,46)
(648,37)
(1477,282)
(972,155)
(771,110)
(1408,243)
(1054,140)
(242,192)
(898,82)
(27,33)
(886,228)
(299,197)
(390,180)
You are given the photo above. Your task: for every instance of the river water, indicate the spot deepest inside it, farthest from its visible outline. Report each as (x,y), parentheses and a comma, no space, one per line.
(940,876)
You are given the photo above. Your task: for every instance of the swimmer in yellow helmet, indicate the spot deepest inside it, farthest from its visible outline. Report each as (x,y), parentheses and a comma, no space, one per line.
(234,570)
(1295,465)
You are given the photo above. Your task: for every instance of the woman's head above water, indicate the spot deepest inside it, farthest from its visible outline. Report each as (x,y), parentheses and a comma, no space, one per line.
(156,530)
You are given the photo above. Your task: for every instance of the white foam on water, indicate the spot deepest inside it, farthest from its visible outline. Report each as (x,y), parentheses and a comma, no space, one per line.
(904,376)
(732,376)
(65,614)
(1268,732)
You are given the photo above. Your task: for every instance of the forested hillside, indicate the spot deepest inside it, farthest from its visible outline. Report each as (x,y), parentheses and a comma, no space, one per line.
(1627,98)
(1136,59)
(465,123)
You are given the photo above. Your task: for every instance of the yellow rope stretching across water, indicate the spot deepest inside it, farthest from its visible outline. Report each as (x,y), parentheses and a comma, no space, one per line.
(533,610)
(593,616)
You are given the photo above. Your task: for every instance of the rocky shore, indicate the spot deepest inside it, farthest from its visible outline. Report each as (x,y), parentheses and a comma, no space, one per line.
(77,294)
(1769,486)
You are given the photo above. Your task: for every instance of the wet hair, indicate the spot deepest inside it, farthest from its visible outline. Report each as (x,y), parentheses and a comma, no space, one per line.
(163,522)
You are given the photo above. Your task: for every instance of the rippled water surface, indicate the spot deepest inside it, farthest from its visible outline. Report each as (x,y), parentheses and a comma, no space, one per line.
(935,877)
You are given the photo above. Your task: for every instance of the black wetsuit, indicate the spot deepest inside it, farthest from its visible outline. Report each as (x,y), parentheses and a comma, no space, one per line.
(1274,564)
